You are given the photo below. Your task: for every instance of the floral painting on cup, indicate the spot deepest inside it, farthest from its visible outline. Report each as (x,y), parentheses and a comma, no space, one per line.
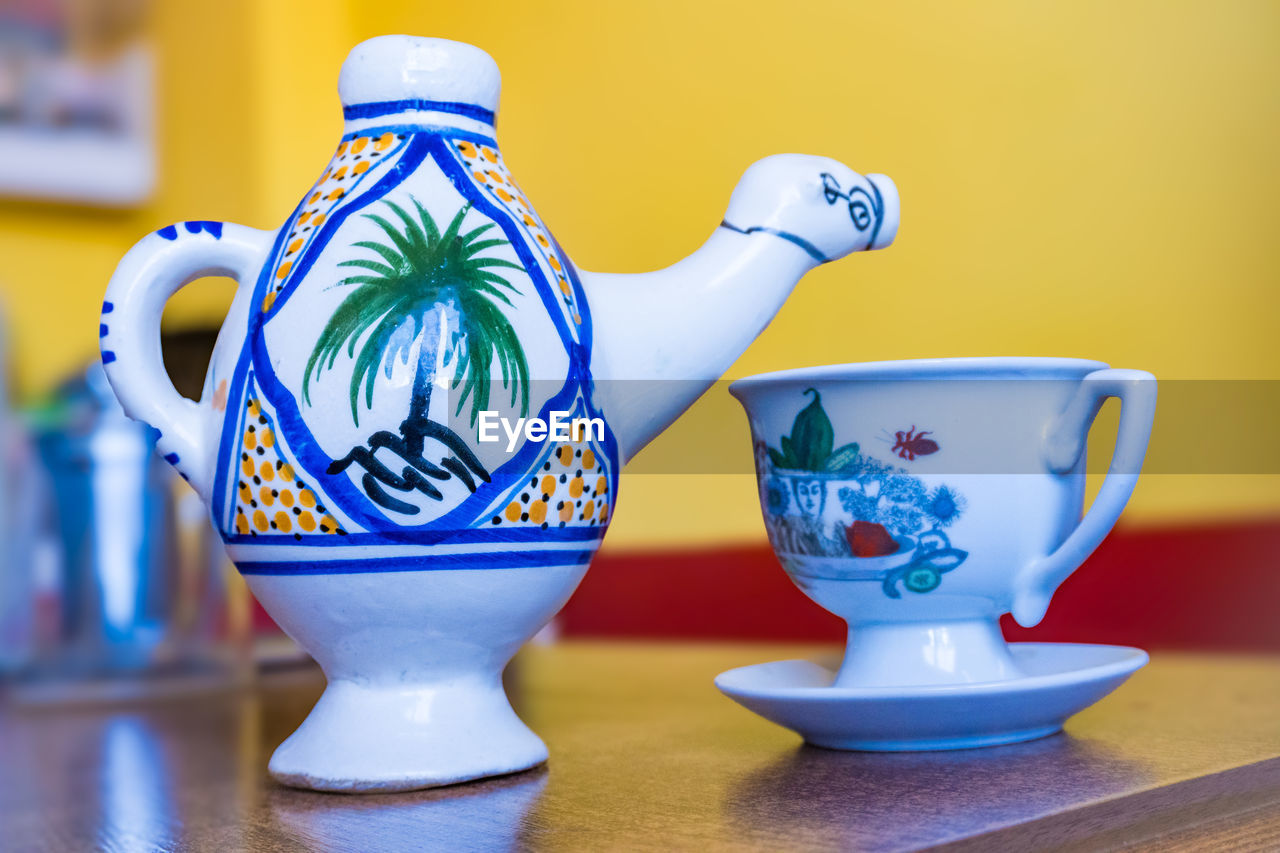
(876,520)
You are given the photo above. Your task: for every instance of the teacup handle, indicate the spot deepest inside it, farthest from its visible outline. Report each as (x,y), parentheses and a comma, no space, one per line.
(152,271)
(1064,445)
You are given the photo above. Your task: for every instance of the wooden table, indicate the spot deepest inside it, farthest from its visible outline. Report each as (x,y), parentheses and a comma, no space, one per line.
(646,754)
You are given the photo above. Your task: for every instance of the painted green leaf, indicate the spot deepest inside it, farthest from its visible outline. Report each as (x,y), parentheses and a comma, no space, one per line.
(789,453)
(842,458)
(811,434)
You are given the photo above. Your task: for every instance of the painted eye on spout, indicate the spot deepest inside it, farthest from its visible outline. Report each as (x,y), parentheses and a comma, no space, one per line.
(863,209)
(860,215)
(831,188)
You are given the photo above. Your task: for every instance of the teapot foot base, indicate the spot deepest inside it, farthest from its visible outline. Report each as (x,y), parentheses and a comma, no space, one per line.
(398,737)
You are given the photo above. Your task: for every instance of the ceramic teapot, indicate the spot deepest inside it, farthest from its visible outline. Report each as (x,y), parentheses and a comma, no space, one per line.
(410,301)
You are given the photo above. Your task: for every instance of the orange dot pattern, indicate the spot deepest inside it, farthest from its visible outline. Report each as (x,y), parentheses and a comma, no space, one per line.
(270,497)
(486,166)
(571,490)
(352,160)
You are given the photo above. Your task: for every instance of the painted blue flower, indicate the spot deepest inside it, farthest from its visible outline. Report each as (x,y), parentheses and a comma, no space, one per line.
(904,489)
(902,519)
(777,496)
(946,505)
(857,504)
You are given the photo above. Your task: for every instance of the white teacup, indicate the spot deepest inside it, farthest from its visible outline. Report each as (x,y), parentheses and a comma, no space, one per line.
(920,500)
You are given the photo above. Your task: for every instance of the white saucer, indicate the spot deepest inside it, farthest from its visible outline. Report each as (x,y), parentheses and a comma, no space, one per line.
(1063,678)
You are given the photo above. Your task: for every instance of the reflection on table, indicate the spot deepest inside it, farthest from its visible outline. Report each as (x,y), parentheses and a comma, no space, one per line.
(644,752)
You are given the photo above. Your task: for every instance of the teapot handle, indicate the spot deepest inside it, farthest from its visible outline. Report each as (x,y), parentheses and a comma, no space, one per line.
(152,271)
(1064,450)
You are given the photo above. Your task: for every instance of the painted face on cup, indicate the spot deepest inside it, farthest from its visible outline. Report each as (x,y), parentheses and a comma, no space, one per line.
(811,496)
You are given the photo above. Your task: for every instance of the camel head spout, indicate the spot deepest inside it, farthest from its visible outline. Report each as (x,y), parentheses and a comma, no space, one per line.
(679,329)
(819,204)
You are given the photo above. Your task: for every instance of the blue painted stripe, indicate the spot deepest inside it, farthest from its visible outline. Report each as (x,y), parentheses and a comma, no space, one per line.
(420,536)
(578,345)
(171,458)
(813,250)
(102,330)
(583,353)
(226,443)
(233,428)
(424,563)
(393,177)
(385,108)
(447,158)
(212,226)
(310,458)
(580,408)
(340,489)
(193,226)
(107,307)
(108,356)
(416,129)
(879,203)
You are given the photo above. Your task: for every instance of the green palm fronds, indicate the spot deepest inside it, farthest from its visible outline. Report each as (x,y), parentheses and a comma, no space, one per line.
(416,272)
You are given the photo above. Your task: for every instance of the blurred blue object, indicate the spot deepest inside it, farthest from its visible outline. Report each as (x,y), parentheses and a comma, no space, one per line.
(127,577)
(113,519)
(22,500)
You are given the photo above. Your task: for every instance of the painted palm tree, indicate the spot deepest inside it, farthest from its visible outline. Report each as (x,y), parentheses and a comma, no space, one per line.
(436,288)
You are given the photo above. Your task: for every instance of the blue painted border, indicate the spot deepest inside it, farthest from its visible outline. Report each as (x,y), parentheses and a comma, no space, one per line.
(879,203)
(479,561)
(386,108)
(239,376)
(405,166)
(340,491)
(417,536)
(445,156)
(416,129)
(812,250)
(580,343)
(583,353)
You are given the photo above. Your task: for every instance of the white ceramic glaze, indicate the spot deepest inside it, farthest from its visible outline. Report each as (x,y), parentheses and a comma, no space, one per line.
(414,666)
(490,817)
(413,289)
(1059,680)
(920,500)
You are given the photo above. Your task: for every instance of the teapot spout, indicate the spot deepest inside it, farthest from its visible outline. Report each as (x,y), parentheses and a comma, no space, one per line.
(662,338)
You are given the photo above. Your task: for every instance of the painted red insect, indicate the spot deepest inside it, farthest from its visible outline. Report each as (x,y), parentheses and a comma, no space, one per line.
(912,444)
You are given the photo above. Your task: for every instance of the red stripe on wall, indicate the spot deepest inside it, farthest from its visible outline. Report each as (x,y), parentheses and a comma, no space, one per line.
(1207,587)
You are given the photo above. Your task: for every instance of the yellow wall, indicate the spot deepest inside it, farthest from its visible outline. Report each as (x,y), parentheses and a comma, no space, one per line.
(1088,178)
(55,259)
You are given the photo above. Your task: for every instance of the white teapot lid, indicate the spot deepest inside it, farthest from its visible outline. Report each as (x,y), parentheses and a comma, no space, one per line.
(413,68)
